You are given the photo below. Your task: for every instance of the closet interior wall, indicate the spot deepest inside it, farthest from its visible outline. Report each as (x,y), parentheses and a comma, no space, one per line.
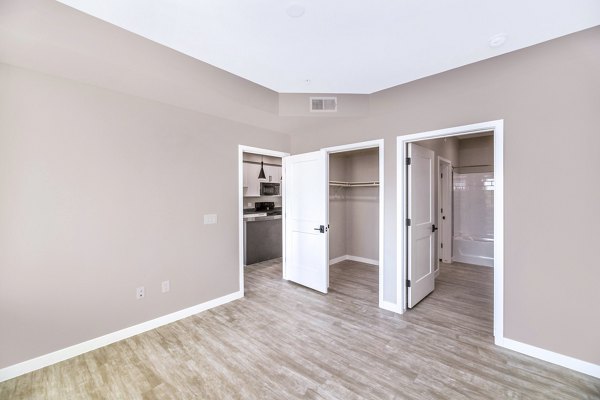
(354,211)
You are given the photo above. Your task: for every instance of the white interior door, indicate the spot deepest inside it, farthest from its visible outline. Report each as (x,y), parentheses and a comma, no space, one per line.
(306,230)
(445,214)
(421,228)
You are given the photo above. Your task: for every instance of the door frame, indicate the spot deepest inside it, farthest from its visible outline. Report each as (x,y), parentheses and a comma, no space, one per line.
(441,160)
(379,144)
(263,152)
(497,127)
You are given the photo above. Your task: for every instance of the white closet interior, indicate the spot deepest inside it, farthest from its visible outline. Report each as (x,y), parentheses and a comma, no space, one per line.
(354,206)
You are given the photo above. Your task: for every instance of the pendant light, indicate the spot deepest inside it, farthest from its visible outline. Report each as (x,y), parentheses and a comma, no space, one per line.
(261,174)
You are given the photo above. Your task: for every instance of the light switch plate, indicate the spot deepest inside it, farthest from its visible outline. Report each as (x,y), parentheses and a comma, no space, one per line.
(210,219)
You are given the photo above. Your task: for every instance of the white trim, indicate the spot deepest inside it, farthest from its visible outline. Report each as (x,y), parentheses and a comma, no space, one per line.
(363,260)
(555,358)
(386,305)
(441,160)
(338,259)
(378,143)
(353,258)
(93,344)
(498,128)
(264,152)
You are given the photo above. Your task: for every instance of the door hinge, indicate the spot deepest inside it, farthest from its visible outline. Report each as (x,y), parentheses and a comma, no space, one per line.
(442,245)
(442,175)
(407,221)
(408,160)
(442,210)
(408,283)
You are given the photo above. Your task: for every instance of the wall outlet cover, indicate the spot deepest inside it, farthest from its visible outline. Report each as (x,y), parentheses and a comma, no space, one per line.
(165,286)
(140,293)
(210,219)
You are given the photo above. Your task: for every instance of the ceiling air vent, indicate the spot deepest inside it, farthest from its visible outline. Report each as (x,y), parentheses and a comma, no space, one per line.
(323,104)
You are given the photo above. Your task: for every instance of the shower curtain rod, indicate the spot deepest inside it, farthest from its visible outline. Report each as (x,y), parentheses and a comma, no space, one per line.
(473,166)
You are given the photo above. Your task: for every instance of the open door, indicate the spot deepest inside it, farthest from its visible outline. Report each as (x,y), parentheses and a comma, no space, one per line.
(421,223)
(306,227)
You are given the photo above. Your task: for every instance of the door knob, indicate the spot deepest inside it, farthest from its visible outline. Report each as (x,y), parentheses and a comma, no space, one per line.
(320,229)
(434,228)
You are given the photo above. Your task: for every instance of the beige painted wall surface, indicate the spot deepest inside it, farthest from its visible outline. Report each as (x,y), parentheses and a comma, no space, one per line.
(53,38)
(337,207)
(547,94)
(477,151)
(363,205)
(101,193)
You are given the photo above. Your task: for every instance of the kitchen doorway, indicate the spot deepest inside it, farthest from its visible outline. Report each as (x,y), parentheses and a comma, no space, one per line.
(261,194)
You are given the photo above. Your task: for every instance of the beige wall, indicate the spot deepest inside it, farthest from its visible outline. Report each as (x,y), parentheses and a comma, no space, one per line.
(354,212)
(476,154)
(549,97)
(104,192)
(338,243)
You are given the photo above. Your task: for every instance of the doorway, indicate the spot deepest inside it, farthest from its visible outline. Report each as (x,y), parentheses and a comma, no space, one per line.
(354,223)
(258,174)
(418,217)
(307,208)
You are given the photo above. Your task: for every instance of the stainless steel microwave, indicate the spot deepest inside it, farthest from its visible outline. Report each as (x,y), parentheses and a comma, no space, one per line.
(270,189)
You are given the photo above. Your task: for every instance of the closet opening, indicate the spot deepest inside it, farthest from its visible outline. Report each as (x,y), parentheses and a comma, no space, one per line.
(354,223)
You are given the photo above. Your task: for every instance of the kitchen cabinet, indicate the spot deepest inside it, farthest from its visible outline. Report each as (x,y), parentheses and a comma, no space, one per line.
(263,240)
(273,173)
(251,182)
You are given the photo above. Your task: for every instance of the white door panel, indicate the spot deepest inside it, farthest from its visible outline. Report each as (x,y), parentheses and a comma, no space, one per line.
(421,211)
(306,246)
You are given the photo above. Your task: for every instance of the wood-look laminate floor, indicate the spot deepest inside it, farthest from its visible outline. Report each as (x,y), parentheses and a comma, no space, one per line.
(283,341)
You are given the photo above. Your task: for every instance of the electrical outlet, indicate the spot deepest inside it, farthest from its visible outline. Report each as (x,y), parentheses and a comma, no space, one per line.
(165,286)
(140,293)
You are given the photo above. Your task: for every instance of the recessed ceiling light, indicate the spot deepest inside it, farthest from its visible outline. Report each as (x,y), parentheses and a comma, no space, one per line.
(497,40)
(295,10)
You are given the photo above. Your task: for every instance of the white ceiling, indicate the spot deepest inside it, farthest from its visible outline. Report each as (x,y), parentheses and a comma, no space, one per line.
(343,46)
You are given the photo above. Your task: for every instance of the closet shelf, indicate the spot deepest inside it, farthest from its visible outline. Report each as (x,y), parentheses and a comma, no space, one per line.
(354,184)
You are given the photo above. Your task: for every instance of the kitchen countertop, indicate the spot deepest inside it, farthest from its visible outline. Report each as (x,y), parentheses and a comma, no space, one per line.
(251,215)
(262,217)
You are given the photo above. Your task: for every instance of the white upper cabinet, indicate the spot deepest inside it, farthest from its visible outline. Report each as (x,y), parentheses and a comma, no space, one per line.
(273,173)
(252,184)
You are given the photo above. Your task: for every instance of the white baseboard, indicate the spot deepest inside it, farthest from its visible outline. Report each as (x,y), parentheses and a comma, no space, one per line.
(353,258)
(386,305)
(546,355)
(363,260)
(60,355)
(338,259)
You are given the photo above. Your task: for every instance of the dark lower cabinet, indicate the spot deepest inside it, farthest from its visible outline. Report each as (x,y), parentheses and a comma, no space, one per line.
(263,240)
